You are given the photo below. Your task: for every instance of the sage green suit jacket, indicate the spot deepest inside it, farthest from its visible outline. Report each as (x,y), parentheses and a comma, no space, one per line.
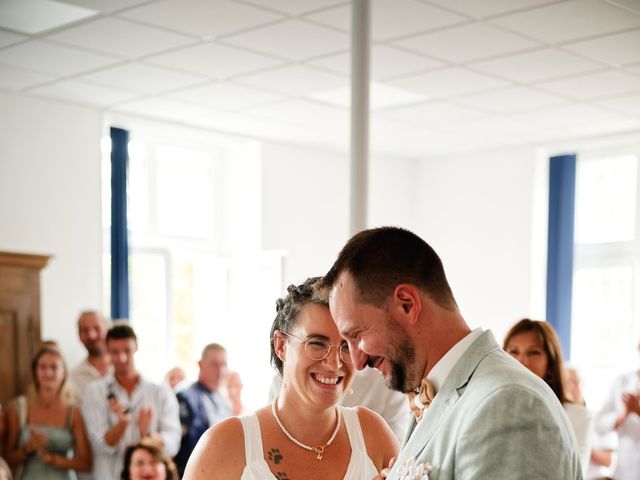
(492,419)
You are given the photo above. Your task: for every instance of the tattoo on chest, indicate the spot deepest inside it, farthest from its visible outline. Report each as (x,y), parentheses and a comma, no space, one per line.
(275,456)
(282,476)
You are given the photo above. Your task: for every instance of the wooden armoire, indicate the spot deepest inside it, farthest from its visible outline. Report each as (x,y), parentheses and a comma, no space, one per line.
(19,319)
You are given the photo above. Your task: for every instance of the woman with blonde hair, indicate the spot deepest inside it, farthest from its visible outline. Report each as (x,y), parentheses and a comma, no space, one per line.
(46,437)
(536,345)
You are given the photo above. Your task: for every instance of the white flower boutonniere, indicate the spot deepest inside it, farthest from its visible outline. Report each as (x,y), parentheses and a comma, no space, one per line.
(412,471)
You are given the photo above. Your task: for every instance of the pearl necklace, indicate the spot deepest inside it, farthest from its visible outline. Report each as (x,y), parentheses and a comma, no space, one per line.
(319,450)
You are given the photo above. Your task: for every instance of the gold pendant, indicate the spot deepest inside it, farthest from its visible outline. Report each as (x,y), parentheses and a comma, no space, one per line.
(319,451)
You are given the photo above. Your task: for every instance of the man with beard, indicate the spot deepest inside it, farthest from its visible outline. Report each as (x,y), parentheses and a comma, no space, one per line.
(478,412)
(92,330)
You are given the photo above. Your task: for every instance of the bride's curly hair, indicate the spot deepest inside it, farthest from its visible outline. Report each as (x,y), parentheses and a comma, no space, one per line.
(289,306)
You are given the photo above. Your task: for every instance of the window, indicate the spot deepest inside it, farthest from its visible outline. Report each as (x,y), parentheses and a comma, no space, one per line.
(606,298)
(197,273)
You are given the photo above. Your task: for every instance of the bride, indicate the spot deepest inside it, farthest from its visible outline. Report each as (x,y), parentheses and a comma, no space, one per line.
(304,433)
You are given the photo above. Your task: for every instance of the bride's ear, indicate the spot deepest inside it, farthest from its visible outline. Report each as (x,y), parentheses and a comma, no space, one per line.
(279,345)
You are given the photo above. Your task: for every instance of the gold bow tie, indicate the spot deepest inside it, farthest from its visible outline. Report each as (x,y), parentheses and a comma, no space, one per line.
(420,400)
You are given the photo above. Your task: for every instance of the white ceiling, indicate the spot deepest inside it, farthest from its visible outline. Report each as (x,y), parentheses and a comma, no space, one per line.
(448,75)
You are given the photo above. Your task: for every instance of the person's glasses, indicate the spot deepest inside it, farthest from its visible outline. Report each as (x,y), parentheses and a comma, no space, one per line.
(318,348)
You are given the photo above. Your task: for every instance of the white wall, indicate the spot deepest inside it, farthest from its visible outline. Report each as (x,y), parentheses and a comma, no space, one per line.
(50,204)
(477,212)
(305,204)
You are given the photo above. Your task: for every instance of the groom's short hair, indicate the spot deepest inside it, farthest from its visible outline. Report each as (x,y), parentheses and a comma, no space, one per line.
(379,259)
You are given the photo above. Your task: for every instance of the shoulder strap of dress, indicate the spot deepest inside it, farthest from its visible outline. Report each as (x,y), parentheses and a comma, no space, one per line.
(354,431)
(69,416)
(21,406)
(252,437)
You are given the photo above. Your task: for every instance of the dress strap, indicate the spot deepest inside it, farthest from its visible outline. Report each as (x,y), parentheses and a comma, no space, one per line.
(354,431)
(252,437)
(69,416)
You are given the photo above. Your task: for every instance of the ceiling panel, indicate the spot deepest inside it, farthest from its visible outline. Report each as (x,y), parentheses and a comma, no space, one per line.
(36,16)
(282,40)
(295,7)
(614,50)
(202,18)
(303,112)
(162,108)
(105,6)
(225,96)
(386,62)
(142,78)
(448,82)
(9,38)
(512,100)
(17,79)
(120,38)
(576,116)
(390,19)
(453,44)
(597,85)
(565,21)
(295,80)
(536,66)
(214,61)
(85,93)
(44,57)
(487,8)
(432,114)
(629,105)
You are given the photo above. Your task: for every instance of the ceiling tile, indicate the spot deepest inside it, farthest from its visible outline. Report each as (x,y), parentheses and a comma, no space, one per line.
(587,17)
(630,4)
(141,78)
(16,79)
(449,82)
(224,96)
(614,50)
(294,7)
(84,93)
(8,38)
(36,16)
(214,61)
(386,62)
(629,105)
(381,96)
(537,66)
(201,17)
(516,99)
(572,116)
(165,109)
(431,114)
(468,42)
(392,19)
(119,37)
(280,40)
(105,7)
(295,80)
(303,112)
(44,57)
(487,8)
(596,85)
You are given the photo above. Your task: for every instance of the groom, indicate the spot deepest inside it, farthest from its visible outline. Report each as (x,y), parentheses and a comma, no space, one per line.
(490,417)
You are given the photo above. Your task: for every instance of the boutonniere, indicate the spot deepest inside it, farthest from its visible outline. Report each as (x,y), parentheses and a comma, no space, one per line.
(411,470)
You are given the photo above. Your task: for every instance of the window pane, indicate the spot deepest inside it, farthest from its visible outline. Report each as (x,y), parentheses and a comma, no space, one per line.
(185,196)
(603,334)
(606,199)
(149,311)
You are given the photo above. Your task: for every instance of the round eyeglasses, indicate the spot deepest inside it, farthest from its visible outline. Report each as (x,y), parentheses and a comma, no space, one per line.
(318,348)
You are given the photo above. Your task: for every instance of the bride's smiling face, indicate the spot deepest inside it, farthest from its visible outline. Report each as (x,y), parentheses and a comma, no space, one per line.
(318,380)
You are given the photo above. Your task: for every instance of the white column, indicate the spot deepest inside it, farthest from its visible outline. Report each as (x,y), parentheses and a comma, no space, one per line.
(360,36)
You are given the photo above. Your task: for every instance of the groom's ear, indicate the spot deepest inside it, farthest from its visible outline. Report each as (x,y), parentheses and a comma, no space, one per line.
(407,303)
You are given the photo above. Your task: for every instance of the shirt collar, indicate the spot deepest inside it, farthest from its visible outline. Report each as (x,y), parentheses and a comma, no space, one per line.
(441,370)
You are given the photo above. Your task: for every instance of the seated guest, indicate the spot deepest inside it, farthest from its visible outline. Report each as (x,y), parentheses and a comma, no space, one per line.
(145,461)
(123,408)
(234,393)
(535,345)
(202,405)
(304,429)
(175,378)
(46,436)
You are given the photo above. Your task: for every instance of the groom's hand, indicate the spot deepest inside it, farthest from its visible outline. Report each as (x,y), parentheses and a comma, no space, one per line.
(385,471)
